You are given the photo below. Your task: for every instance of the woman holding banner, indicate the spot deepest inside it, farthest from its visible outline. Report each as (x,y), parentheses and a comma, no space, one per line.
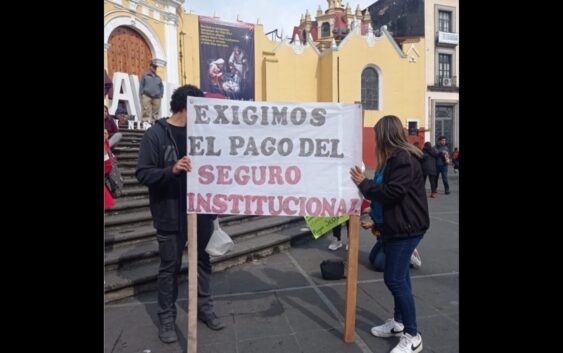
(398,193)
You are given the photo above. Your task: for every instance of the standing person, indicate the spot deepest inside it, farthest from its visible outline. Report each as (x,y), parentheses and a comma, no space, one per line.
(162,166)
(455,159)
(442,162)
(108,86)
(398,196)
(336,242)
(109,124)
(151,90)
(109,202)
(429,168)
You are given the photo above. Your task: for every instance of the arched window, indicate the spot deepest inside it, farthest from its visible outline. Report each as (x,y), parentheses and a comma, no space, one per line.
(325,29)
(370,89)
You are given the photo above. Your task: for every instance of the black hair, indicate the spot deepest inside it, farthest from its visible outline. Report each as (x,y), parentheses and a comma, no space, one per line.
(179,97)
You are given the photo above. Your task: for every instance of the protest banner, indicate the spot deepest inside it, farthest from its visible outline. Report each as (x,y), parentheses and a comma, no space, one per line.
(277,159)
(272,158)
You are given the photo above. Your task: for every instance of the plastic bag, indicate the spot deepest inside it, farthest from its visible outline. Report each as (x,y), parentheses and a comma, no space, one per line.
(220,242)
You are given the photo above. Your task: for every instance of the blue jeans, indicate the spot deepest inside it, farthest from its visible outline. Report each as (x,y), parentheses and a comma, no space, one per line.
(171,248)
(444,171)
(397,278)
(377,257)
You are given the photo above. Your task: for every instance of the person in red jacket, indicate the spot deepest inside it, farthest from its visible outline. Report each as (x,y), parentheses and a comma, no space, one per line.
(108,86)
(109,202)
(109,124)
(455,159)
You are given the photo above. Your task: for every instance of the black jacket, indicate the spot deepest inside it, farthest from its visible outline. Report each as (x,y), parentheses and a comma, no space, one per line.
(157,155)
(405,207)
(429,161)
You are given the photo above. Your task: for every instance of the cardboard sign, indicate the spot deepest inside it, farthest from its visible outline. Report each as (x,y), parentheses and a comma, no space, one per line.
(321,225)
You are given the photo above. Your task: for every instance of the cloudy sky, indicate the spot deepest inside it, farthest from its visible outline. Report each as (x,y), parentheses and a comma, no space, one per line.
(273,14)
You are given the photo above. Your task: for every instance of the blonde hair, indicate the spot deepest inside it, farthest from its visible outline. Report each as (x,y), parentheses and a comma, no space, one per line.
(390,135)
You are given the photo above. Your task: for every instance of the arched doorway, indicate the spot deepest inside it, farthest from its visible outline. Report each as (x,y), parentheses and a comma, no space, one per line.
(128,52)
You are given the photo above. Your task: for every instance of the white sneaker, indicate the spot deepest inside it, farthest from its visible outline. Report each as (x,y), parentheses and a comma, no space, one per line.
(408,344)
(390,328)
(335,244)
(416,261)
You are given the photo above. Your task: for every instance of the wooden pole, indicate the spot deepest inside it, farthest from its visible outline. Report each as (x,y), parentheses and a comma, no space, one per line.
(352,279)
(192,283)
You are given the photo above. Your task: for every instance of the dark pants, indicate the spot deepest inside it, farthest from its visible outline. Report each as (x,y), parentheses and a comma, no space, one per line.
(444,171)
(433,182)
(337,231)
(377,257)
(397,278)
(171,247)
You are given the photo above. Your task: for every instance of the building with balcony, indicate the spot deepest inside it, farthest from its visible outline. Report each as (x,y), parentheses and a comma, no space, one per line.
(438,22)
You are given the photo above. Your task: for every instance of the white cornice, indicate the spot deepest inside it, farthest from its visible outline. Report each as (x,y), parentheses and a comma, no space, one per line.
(170,18)
(283,42)
(133,5)
(160,62)
(158,11)
(333,45)
(347,38)
(412,48)
(395,45)
(297,46)
(173,3)
(312,43)
(370,37)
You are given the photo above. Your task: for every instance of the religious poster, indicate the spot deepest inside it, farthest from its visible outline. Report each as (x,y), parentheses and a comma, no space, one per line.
(226,56)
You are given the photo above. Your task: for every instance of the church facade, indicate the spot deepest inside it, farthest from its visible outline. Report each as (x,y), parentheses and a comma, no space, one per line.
(337,57)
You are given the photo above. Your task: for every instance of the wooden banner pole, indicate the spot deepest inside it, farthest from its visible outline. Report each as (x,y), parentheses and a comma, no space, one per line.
(192,283)
(352,279)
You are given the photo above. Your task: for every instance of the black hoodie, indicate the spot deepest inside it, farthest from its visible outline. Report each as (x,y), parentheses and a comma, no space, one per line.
(157,155)
(429,161)
(405,207)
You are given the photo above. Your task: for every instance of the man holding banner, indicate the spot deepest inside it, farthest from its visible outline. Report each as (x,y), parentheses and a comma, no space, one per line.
(163,166)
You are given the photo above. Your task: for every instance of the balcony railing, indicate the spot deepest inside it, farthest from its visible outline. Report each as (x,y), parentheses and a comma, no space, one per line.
(446,81)
(447,38)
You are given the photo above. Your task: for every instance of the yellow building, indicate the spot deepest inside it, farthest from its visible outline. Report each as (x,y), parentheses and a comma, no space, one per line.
(373,69)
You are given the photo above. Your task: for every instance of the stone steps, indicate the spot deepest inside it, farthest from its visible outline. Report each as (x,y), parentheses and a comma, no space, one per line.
(131,250)
(141,276)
